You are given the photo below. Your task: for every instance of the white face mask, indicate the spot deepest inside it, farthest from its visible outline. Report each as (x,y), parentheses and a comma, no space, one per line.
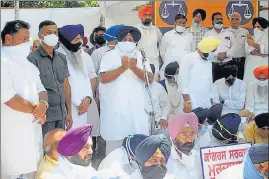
(127,47)
(218,26)
(258,33)
(51,40)
(180,29)
(262,83)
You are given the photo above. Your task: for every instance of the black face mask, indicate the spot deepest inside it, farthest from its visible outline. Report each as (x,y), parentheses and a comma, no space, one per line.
(205,56)
(230,81)
(68,45)
(99,40)
(146,22)
(153,172)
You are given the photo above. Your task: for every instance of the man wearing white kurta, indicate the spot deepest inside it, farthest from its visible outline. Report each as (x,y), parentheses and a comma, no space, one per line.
(195,76)
(78,63)
(150,38)
(121,90)
(23,104)
(176,43)
(230,91)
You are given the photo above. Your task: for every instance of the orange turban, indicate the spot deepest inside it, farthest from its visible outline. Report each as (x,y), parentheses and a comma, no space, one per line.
(143,10)
(261,70)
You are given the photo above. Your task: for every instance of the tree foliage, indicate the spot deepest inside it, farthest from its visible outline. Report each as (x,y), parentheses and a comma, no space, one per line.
(138,7)
(51,4)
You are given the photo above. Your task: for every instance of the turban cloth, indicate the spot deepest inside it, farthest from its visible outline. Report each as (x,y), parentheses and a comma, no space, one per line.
(145,150)
(230,70)
(261,70)
(262,21)
(131,142)
(124,30)
(214,113)
(70,32)
(85,40)
(258,153)
(145,9)
(177,123)
(208,44)
(230,122)
(262,120)
(74,140)
(171,69)
(111,33)
(199,11)
(201,114)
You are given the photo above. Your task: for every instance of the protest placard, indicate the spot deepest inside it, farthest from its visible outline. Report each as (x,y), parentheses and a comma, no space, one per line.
(216,159)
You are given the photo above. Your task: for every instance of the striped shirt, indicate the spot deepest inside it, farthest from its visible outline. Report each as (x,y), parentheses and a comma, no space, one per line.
(97,56)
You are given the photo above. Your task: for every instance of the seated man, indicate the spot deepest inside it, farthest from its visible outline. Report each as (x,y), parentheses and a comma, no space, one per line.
(225,130)
(254,166)
(124,157)
(230,91)
(170,84)
(152,155)
(184,161)
(75,150)
(50,148)
(258,132)
(257,93)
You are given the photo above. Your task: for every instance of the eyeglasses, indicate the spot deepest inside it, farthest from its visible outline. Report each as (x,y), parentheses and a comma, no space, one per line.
(264,128)
(187,135)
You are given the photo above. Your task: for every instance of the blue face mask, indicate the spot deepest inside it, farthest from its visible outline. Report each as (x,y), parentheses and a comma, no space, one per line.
(203,129)
(250,171)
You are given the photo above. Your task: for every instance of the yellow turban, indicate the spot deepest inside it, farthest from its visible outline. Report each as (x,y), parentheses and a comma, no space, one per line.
(208,44)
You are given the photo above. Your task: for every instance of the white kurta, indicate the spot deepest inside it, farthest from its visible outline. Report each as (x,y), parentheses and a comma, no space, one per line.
(122,100)
(234,95)
(195,76)
(189,167)
(202,140)
(253,61)
(80,85)
(20,137)
(151,37)
(174,47)
(254,102)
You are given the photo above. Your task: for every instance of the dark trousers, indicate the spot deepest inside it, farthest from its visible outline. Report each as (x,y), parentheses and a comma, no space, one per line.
(217,69)
(48,126)
(240,63)
(99,151)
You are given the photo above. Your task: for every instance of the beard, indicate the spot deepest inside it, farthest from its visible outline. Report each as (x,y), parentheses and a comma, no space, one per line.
(77,160)
(185,148)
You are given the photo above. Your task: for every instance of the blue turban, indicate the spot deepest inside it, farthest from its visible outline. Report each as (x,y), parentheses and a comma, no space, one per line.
(201,114)
(230,122)
(131,142)
(111,32)
(70,32)
(124,30)
(214,113)
(145,150)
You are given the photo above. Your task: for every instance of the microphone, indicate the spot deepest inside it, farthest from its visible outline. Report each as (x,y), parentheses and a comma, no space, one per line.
(144,58)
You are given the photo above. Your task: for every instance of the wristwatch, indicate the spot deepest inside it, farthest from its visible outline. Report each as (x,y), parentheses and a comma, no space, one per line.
(90,99)
(46,103)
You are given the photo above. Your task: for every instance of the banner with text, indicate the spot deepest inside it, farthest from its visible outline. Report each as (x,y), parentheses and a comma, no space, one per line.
(216,159)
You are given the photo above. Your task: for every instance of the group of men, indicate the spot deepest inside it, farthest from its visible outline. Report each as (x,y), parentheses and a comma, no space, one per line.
(192,80)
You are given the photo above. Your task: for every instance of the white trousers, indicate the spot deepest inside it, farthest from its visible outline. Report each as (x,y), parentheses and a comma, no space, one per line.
(22,176)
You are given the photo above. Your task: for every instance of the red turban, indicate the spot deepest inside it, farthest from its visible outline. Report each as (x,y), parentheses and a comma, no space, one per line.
(261,70)
(143,10)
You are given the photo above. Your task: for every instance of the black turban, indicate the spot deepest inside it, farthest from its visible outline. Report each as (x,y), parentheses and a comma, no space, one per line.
(124,30)
(145,150)
(262,21)
(131,142)
(258,153)
(230,122)
(171,69)
(214,113)
(230,70)
(262,120)
(199,11)
(201,114)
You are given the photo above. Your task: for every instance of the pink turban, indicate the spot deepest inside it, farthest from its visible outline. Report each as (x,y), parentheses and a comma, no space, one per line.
(177,123)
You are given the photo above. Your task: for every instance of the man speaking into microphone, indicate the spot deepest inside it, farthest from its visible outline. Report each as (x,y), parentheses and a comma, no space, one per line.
(121,90)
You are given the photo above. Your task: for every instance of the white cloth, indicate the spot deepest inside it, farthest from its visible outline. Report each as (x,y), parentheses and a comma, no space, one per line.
(202,140)
(195,78)
(94,118)
(228,43)
(234,172)
(67,170)
(187,167)
(234,95)
(80,84)
(122,100)
(241,35)
(19,135)
(253,61)
(256,103)
(151,36)
(174,47)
